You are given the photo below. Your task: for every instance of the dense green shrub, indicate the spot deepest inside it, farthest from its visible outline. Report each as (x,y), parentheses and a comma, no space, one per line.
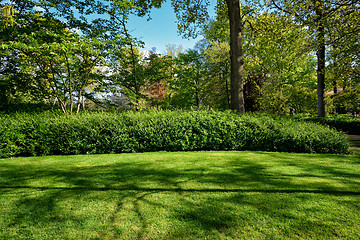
(90,133)
(342,122)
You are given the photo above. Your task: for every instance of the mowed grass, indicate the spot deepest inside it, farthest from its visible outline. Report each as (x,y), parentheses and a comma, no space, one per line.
(354,143)
(181,195)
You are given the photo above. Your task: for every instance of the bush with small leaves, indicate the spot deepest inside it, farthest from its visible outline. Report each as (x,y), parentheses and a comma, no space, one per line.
(23,134)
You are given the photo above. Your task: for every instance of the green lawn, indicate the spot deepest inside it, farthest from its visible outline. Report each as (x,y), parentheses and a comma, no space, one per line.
(187,195)
(354,143)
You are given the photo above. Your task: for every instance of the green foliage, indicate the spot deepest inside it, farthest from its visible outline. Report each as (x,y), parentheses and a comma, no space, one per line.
(141,79)
(217,75)
(279,55)
(342,122)
(187,87)
(279,67)
(282,101)
(332,23)
(191,16)
(45,59)
(56,63)
(347,101)
(89,133)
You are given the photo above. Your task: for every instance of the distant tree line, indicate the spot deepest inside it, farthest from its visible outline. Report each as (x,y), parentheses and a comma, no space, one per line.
(275,56)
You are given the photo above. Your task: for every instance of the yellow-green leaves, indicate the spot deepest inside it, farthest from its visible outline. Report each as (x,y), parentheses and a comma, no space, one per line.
(7,13)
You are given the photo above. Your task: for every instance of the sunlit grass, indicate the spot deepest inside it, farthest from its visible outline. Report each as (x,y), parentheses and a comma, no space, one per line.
(182,195)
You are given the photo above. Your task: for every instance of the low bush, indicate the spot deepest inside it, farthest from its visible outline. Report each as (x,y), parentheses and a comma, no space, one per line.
(23,134)
(342,122)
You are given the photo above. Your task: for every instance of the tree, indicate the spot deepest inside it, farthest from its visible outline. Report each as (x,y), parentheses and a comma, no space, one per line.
(216,51)
(144,83)
(348,100)
(187,86)
(343,51)
(114,14)
(158,74)
(14,84)
(217,74)
(318,15)
(278,61)
(193,13)
(236,55)
(56,53)
(58,63)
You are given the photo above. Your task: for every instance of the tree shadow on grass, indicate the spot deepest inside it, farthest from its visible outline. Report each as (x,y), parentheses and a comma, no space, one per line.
(230,198)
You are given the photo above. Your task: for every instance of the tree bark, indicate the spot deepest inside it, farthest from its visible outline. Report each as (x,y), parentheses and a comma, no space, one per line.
(223,72)
(320,63)
(236,55)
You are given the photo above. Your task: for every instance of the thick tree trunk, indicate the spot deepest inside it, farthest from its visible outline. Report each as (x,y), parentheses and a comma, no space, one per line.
(321,64)
(236,55)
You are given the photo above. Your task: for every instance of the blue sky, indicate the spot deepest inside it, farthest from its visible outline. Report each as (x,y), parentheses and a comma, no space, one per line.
(161,29)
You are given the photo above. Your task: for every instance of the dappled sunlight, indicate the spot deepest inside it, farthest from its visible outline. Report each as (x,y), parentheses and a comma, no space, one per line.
(191,194)
(241,171)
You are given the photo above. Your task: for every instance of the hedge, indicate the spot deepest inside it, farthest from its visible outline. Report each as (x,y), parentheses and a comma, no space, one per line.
(349,124)
(50,133)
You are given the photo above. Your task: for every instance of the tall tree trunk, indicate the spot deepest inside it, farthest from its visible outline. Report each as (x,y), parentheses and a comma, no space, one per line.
(223,72)
(321,81)
(236,55)
(320,62)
